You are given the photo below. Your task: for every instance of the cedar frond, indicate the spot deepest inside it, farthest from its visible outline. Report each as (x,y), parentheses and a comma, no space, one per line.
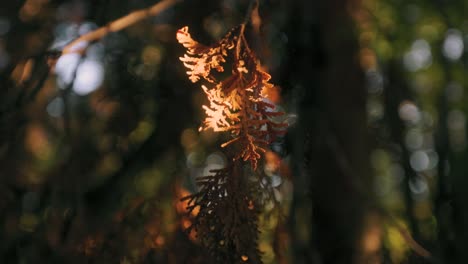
(226,222)
(200,59)
(238,103)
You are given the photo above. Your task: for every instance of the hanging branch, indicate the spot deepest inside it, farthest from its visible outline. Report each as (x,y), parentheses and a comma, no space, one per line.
(228,202)
(238,104)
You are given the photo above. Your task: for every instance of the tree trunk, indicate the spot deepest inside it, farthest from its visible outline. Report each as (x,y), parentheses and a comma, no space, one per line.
(330,135)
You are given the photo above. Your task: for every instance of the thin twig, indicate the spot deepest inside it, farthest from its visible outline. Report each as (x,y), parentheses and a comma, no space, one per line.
(405,234)
(27,71)
(119,24)
(248,14)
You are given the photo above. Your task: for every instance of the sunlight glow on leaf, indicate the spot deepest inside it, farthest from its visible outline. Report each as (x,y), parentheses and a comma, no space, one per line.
(238,104)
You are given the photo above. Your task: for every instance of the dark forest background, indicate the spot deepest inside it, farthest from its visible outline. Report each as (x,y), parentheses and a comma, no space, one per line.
(96,149)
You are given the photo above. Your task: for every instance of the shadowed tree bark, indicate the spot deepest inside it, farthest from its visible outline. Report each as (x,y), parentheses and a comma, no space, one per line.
(330,135)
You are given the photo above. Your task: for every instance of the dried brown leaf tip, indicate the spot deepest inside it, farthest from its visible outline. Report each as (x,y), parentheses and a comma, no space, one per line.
(200,59)
(237,102)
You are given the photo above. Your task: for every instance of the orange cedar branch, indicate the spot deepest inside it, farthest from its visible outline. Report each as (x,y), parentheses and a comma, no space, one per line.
(237,103)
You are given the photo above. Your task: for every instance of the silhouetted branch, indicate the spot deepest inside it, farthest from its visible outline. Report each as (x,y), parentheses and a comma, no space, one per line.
(118,25)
